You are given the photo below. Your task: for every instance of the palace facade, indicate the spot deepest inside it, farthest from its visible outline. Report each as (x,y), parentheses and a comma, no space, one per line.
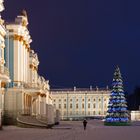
(81,102)
(4,72)
(22,90)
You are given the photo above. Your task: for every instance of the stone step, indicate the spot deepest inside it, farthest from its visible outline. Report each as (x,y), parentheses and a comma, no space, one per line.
(30,121)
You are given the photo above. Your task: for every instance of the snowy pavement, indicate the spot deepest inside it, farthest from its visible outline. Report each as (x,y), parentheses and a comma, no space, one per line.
(95,131)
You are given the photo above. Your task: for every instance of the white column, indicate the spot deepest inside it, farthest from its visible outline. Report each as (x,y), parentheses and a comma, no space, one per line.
(16,60)
(21,62)
(44,104)
(28,68)
(23,67)
(26,65)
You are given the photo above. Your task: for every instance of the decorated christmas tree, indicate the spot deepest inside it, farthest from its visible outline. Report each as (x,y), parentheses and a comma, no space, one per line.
(117,113)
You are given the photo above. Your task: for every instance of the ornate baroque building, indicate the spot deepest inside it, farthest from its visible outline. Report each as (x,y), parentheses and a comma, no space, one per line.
(22,90)
(79,103)
(4,73)
(28,92)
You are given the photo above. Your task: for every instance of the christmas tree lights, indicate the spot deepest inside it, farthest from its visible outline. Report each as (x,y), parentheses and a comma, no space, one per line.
(117,107)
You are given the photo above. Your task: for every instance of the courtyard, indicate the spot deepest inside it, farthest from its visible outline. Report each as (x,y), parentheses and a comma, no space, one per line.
(73,130)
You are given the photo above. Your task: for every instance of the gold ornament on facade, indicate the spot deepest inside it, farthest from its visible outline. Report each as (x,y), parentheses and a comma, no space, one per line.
(21,38)
(17,37)
(24,42)
(35,68)
(28,50)
(27,46)
(38,94)
(31,66)
(24,23)
(3,84)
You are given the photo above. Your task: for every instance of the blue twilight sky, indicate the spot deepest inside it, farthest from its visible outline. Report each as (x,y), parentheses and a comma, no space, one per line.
(79,42)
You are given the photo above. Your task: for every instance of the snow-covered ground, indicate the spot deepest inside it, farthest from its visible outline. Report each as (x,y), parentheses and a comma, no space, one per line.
(73,131)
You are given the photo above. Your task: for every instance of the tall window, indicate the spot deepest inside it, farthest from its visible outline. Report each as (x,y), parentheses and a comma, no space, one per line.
(65,106)
(77,106)
(88,105)
(59,106)
(70,105)
(82,105)
(94,106)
